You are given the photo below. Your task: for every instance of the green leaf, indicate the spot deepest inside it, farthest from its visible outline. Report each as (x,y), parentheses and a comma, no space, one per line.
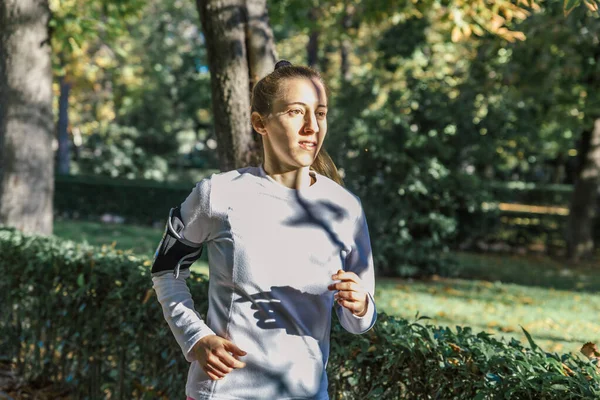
(533,345)
(557,386)
(80,281)
(569,5)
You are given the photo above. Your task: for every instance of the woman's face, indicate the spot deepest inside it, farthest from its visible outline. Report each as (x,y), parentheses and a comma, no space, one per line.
(294,131)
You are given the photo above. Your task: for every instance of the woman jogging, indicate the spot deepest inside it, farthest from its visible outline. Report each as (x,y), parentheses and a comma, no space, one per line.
(285,243)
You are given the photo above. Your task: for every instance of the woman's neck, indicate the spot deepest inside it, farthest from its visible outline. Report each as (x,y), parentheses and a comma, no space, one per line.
(294,179)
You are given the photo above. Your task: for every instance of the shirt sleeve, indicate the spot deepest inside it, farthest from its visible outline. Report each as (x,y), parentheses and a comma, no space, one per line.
(196,212)
(173,294)
(360,261)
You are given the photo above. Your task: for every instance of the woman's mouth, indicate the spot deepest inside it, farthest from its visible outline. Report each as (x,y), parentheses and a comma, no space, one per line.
(308,145)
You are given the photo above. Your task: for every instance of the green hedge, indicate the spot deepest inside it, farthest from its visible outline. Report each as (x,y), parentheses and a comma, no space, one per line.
(138,201)
(146,200)
(87,317)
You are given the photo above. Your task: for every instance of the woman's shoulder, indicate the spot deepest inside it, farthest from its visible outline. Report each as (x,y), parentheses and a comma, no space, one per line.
(223,182)
(220,178)
(215,191)
(340,195)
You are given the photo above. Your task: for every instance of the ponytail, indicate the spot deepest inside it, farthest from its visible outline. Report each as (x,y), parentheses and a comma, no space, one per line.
(324,165)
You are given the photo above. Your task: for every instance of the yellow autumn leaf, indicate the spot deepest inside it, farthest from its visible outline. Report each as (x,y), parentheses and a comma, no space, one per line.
(453,361)
(496,23)
(147,296)
(455,347)
(456,34)
(591,5)
(466,30)
(567,370)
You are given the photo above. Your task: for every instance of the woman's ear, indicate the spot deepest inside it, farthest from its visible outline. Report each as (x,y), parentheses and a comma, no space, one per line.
(258,123)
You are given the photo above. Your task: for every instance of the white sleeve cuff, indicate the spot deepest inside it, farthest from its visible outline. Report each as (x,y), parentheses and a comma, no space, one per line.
(355,324)
(185,322)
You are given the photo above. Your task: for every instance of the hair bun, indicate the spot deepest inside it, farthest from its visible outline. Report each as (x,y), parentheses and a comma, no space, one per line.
(283,63)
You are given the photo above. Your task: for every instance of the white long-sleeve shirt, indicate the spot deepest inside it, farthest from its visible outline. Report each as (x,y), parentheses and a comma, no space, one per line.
(272,251)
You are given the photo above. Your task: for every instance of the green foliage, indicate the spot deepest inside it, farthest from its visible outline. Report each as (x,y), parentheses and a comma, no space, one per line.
(402,161)
(171,106)
(88,317)
(425,124)
(570,5)
(393,50)
(402,359)
(136,201)
(117,154)
(138,72)
(75,22)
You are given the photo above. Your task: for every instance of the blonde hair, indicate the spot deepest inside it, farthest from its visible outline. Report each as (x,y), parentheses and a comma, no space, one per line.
(268,88)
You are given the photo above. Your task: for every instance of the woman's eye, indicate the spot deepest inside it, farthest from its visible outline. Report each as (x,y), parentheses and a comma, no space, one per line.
(321,114)
(295,111)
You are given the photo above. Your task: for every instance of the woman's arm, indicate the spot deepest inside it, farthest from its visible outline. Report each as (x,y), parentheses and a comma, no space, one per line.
(187,228)
(185,322)
(358,278)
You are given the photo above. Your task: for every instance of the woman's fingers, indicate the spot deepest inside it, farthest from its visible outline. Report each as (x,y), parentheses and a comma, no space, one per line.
(230,361)
(214,356)
(212,372)
(349,295)
(215,362)
(353,306)
(342,275)
(344,286)
(232,348)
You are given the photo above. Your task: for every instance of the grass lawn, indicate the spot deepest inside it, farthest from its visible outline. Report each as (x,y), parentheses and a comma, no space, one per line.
(492,293)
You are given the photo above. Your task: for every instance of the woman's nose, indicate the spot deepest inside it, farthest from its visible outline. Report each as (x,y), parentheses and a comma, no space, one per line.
(310,123)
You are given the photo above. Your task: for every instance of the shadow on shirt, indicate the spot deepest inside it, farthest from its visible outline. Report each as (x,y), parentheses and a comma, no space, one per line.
(283,307)
(299,314)
(313,215)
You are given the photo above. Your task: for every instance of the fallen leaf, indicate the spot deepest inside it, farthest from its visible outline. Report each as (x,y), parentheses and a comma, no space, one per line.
(455,347)
(590,350)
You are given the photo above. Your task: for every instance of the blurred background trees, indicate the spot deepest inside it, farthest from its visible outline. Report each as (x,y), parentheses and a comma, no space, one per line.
(437,108)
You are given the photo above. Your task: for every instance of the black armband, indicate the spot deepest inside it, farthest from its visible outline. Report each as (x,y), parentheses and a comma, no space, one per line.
(174,252)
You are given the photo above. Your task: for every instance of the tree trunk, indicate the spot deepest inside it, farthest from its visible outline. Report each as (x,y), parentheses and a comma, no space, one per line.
(346,44)
(262,57)
(26,123)
(312,47)
(260,43)
(345,48)
(64,144)
(241,50)
(580,240)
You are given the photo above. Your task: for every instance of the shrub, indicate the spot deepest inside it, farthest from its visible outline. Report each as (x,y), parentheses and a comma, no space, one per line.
(87,317)
(137,201)
(116,152)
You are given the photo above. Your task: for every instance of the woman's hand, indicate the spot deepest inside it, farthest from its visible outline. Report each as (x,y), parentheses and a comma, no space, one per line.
(350,293)
(217,356)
